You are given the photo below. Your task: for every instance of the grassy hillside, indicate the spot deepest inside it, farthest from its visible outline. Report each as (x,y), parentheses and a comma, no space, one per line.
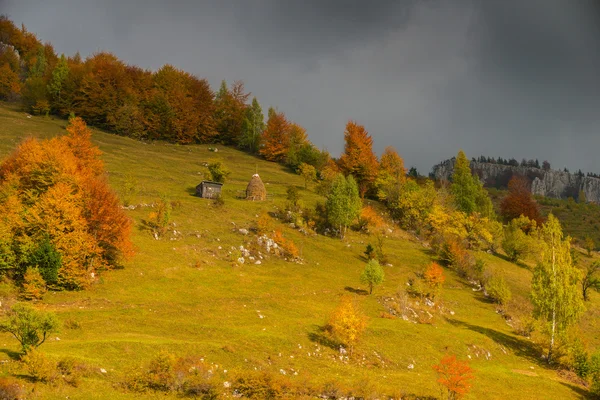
(184,294)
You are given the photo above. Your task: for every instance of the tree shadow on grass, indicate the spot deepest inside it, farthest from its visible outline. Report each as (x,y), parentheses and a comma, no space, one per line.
(579,390)
(507,259)
(14,355)
(360,292)
(321,336)
(520,347)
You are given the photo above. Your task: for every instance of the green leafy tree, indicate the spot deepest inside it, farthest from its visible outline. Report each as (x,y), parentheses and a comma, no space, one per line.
(372,275)
(308,172)
(28,325)
(468,191)
(554,286)
(589,245)
(254,125)
(590,279)
(47,260)
(59,75)
(343,203)
(517,244)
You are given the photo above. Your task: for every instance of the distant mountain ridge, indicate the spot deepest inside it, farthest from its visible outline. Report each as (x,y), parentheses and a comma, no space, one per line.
(544,182)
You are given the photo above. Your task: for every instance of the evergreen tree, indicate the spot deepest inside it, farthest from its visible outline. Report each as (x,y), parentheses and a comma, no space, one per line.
(468,191)
(343,202)
(554,287)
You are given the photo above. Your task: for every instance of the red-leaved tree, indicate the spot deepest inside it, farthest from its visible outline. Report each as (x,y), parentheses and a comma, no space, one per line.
(455,376)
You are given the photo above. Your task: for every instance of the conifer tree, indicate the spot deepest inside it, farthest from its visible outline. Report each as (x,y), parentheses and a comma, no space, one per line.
(554,287)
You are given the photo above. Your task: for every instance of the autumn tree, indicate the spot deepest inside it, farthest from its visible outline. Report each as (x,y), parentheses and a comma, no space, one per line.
(10,85)
(391,176)
(275,140)
(467,189)
(554,286)
(56,191)
(519,201)
(455,376)
(347,322)
(372,275)
(358,158)
(231,112)
(434,278)
(589,245)
(343,203)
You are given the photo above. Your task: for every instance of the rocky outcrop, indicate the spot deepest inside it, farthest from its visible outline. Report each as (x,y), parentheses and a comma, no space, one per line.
(548,183)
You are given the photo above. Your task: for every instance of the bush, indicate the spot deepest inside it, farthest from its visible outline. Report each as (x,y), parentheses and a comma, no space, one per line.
(498,290)
(217,172)
(71,370)
(39,367)
(261,385)
(29,326)
(219,200)
(454,254)
(11,389)
(167,373)
(579,359)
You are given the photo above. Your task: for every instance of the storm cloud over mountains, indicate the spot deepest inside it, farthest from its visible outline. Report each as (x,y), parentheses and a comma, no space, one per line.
(499,78)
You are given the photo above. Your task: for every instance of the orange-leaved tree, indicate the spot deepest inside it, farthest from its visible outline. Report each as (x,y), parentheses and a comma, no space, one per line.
(434,277)
(455,376)
(391,176)
(358,158)
(275,139)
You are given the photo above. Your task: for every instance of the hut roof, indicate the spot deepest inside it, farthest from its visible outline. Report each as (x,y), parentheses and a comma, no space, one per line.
(256,189)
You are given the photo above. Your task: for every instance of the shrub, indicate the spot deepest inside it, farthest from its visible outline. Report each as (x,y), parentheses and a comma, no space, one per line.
(372,275)
(217,172)
(219,200)
(369,218)
(167,373)
(39,367)
(264,224)
(71,370)
(579,359)
(455,376)
(29,326)
(287,245)
(261,385)
(34,286)
(498,290)
(454,254)
(11,389)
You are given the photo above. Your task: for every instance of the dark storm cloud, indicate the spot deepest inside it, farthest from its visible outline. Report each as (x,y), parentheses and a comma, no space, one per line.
(504,78)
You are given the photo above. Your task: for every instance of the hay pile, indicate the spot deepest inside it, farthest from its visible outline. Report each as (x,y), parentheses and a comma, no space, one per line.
(256,189)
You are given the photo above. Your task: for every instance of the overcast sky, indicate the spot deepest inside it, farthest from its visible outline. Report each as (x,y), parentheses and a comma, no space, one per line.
(510,78)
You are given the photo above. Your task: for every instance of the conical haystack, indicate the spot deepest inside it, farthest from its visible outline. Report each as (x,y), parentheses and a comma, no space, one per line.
(256,189)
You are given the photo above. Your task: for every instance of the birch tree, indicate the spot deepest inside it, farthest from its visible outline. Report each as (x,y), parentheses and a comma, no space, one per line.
(554,287)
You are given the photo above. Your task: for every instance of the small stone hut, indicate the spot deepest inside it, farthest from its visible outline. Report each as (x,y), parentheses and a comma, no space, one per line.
(256,189)
(208,189)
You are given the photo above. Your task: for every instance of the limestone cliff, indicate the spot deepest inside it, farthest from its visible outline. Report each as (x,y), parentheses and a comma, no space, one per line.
(548,183)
